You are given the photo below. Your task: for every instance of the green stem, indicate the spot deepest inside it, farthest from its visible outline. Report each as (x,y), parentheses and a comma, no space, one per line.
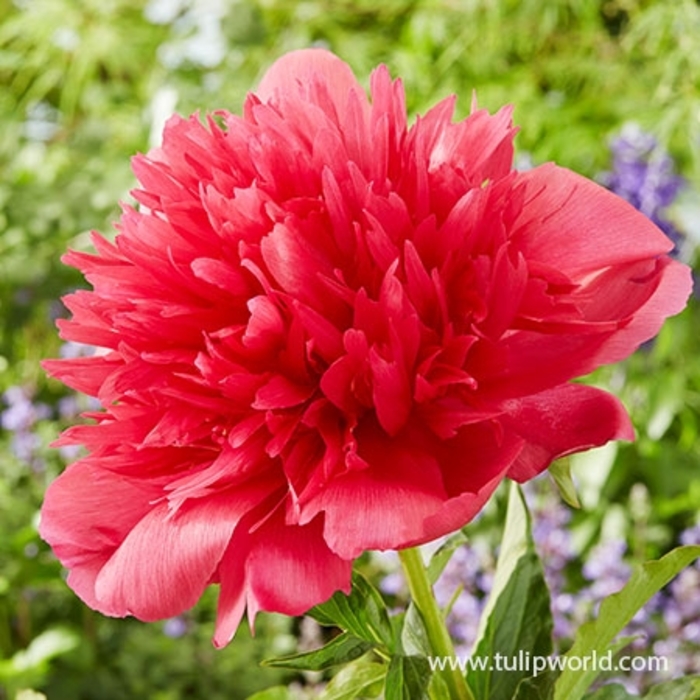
(438,636)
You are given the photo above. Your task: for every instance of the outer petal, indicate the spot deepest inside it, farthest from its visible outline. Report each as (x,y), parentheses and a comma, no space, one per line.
(573,224)
(278,568)
(383,506)
(641,294)
(558,422)
(87,513)
(473,464)
(164,564)
(673,287)
(298,71)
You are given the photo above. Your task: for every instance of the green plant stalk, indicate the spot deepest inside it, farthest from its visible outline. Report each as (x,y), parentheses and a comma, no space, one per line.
(438,636)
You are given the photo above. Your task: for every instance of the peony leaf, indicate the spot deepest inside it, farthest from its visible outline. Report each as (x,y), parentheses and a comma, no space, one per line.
(615,612)
(438,689)
(517,622)
(362,679)
(560,471)
(408,678)
(539,687)
(341,650)
(414,638)
(362,613)
(279,692)
(439,560)
(611,691)
(687,688)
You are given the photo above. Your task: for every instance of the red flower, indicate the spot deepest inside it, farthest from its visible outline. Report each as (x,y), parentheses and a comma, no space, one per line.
(327,332)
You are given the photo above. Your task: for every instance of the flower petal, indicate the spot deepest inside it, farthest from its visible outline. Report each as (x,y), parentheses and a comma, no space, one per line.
(384,505)
(87,513)
(558,422)
(300,71)
(573,224)
(162,566)
(279,568)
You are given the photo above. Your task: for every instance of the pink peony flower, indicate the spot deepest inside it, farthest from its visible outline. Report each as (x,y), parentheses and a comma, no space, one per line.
(325,331)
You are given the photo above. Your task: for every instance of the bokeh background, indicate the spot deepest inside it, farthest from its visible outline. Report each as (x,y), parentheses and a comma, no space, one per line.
(609,88)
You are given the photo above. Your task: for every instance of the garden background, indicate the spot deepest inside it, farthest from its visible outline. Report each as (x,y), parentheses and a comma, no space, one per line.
(609,88)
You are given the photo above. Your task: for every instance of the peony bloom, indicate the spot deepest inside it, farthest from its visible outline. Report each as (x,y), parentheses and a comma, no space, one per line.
(325,331)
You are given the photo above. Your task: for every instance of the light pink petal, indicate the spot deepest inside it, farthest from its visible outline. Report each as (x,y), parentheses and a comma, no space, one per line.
(298,72)
(167,559)
(232,597)
(558,422)
(86,515)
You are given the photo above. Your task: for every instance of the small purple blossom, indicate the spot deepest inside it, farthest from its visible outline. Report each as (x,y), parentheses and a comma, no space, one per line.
(21,413)
(175,627)
(19,419)
(643,174)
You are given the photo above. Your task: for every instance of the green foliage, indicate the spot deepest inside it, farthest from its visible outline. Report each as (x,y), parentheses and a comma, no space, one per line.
(679,689)
(517,619)
(340,650)
(362,613)
(615,612)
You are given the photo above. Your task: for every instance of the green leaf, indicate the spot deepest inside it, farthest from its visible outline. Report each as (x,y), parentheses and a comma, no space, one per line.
(517,622)
(279,692)
(438,689)
(362,613)
(439,560)
(611,691)
(615,612)
(687,688)
(45,647)
(408,678)
(341,650)
(560,471)
(414,638)
(360,679)
(539,687)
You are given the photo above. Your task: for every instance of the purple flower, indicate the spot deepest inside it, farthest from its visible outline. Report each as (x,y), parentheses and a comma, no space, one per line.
(175,627)
(643,173)
(19,419)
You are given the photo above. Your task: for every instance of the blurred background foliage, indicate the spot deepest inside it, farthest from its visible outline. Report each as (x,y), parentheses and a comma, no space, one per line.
(85,84)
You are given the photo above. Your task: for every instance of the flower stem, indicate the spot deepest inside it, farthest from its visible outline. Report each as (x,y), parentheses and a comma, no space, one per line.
(438,636)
